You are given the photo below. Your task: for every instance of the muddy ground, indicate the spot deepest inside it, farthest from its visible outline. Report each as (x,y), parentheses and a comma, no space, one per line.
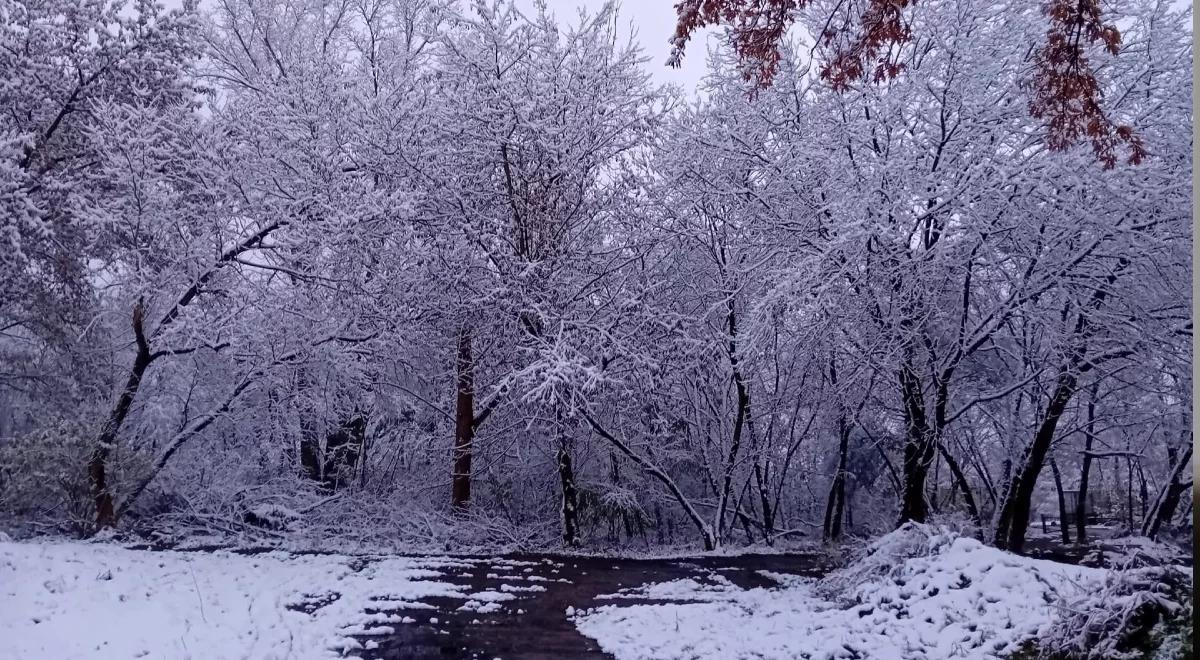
(535,626)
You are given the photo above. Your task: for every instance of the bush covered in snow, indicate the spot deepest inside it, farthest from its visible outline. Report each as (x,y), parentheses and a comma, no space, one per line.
(273,516)
(43,478)
(1140,607)
(1139,613)
(1134,552)
(884,557)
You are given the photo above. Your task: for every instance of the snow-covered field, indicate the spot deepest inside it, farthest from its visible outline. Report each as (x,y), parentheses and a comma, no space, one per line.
(964,600)
(92,600)
(917,593)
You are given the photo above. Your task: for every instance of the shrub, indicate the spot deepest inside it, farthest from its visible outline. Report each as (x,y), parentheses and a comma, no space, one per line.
(43,478)
(1138,614)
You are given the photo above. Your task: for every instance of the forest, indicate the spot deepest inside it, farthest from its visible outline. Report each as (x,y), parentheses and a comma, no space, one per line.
(439,276)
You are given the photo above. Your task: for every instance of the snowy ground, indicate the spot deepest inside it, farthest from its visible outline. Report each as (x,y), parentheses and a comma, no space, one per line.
(80,600)
(964,600)
(917,594)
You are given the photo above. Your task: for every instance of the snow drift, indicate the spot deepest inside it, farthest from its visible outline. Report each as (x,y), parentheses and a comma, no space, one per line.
(918,592)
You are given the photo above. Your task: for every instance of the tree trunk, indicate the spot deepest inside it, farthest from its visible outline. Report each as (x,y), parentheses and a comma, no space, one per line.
(464,424)
(960,479)
(343,451)
(1168,498)
(1062,502)
(764,500)
(740,419)
(310,443)
(106,513)
(1085,472)
(1143,492)
(570,497)
(931,497)
(832,529)
(850,505)
(98,464)
(1014,513)
(762,473)
(1128,490)
(731,460)
(709,538)
(182,437)
(918,448)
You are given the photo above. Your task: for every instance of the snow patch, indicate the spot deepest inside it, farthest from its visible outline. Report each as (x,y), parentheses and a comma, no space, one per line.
(99,601)
(917,593)
(682,589)
(517,588)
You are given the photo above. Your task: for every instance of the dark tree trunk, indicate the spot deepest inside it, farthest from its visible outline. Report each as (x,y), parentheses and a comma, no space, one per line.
(1166,511)
(1089,438)
(941,402)
(363,461)
(918,447)
(106,512)
(343,450)
(310,458)
(850,506)
(935,504)
(570,497)
(746,529)
(1168,499)
(1014,513)
(464,424)
(1143,492)
(740,419)
(1062,502)
(762,473)
(730,463)
(832,529)
(764,500)
(98,464)
(960,480)
(1013,520)
(310,443)
(1129,490)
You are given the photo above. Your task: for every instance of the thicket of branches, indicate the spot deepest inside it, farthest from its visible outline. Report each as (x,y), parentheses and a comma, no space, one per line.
(431,271)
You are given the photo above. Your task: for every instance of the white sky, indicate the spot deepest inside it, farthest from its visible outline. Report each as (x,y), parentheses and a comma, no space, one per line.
(651,22)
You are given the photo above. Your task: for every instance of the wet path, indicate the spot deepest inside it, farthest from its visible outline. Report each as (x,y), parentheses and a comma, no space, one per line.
(521,609)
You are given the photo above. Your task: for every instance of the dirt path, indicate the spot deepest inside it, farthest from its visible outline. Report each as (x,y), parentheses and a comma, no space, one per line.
(534,624)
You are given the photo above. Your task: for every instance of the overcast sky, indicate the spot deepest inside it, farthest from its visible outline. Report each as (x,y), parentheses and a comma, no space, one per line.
(652,22)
